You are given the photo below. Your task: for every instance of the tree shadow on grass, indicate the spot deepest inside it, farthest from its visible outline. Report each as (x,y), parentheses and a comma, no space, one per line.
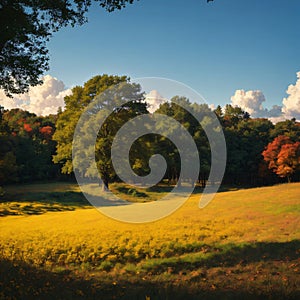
(163,188)
(64,197)
(22,281)
(255,252)
(36,203)
(231,255)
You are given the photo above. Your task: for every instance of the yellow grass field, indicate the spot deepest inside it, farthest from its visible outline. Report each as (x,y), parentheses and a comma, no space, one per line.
(245,243)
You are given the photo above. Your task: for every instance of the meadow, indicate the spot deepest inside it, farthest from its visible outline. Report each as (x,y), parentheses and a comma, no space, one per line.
(244,244)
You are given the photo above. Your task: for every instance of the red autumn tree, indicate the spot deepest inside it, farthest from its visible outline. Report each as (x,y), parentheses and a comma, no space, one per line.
(288,160)
(283,156)
(47,132)
(27,127)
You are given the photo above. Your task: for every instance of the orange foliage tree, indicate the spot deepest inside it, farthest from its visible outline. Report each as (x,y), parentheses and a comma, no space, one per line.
(47,132)
(283,156)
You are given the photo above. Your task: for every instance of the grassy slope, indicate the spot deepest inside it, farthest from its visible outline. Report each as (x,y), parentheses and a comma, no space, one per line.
(245,243)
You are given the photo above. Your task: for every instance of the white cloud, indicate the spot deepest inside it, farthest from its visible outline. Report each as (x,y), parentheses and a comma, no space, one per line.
(251,102)
(291,104)
(212,106)
(43,99)
(154,99)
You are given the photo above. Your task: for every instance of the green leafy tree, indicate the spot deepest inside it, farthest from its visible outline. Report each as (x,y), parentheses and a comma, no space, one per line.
(219,112)
(245,139)
(115,106)
(178,109)
(25,28)
(103,93)
(75,103)
(289,128)
(234,114)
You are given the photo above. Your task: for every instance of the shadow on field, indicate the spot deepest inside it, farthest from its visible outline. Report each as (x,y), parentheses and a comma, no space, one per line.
(162,188)
(233,254)
(22,281)
(259,251)
(63,197)
(36,203)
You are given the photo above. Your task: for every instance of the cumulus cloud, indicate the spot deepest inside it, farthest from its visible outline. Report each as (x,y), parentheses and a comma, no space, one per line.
(154,99)
(43,99)
(291,104)
(251,102)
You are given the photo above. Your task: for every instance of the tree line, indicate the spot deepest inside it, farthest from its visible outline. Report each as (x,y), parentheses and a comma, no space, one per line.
(37,148)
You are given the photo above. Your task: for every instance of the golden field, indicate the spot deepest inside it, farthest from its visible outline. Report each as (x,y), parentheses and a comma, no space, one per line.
(241,235)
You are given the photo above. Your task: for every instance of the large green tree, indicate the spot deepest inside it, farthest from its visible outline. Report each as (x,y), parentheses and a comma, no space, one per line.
(245,139)
(113,109)
(25,28)
(80,98)
(99,95)
(179,109)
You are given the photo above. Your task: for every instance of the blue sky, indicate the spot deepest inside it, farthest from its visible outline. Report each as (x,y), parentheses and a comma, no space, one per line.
(226,50)
(215,48)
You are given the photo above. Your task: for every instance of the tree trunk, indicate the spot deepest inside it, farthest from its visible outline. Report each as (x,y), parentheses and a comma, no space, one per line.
(105,185)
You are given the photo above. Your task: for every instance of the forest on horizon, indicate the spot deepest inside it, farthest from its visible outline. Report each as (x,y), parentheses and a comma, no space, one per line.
(39,148)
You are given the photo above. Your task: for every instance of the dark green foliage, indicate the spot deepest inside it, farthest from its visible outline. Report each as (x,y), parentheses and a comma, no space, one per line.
(26,147)
(25,28)
(95,92)
(246,140)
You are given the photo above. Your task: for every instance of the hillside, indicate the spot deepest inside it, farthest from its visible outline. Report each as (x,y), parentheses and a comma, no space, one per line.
(244,243)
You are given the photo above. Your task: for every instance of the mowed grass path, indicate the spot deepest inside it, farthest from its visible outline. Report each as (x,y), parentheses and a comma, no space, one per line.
(245,243)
